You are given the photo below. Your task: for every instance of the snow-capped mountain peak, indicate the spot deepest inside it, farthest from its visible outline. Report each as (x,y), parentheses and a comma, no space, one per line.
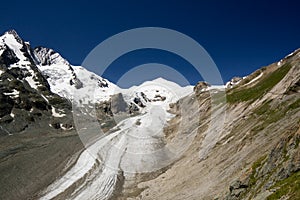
(24,92)
(12,41)
(15,35)
(19,55)
(72,82)
(155,92)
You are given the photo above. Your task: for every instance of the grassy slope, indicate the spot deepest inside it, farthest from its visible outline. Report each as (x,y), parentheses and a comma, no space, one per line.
(289,187)
(266,84)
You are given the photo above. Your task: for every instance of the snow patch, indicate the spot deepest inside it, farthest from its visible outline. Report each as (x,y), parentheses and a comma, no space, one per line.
(13,93)
(64,128)
(255,79)
(1,49)
(231,84)
(10,40)
(214,88)
(57,114)
(31,82)
(45,98)
(279,63)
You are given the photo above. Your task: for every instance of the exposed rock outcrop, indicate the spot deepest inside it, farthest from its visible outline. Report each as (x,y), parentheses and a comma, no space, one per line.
(25,96)
(201,87)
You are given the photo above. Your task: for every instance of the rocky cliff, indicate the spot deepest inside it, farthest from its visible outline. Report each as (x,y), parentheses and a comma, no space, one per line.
(253,154)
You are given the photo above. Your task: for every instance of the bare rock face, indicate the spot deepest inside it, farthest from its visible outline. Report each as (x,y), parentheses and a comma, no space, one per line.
(234,81)
(201,87)
(8,56)
(33,123)
(114,105)
(46,56)
(133,109)
(276,167)
(237,188)
(295,88)
(118,104)
(257,149)
(107,110)
(138,101)
(25,96)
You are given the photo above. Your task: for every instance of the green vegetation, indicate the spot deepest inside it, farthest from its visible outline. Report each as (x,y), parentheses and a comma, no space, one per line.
(297,142)
(218,98)
(288,187)
(107,125)
(254,167)
(253,75)
(294,105)
(253,179)
(256,92)
(271,114)
(263,109)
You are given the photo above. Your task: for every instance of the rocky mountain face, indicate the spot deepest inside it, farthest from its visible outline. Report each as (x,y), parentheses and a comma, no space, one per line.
(254,154)
(36,126)
(26,98)
(237,141)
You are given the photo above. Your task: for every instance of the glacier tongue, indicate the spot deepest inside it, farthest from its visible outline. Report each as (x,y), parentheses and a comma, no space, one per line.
(137,145)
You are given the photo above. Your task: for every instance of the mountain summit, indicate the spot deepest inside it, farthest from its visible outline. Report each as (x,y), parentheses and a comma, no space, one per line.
(26,99)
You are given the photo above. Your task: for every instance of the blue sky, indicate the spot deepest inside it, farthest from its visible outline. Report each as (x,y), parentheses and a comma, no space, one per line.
(240,36)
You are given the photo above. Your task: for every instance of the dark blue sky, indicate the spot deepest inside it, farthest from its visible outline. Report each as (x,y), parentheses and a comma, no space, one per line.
(239,36)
